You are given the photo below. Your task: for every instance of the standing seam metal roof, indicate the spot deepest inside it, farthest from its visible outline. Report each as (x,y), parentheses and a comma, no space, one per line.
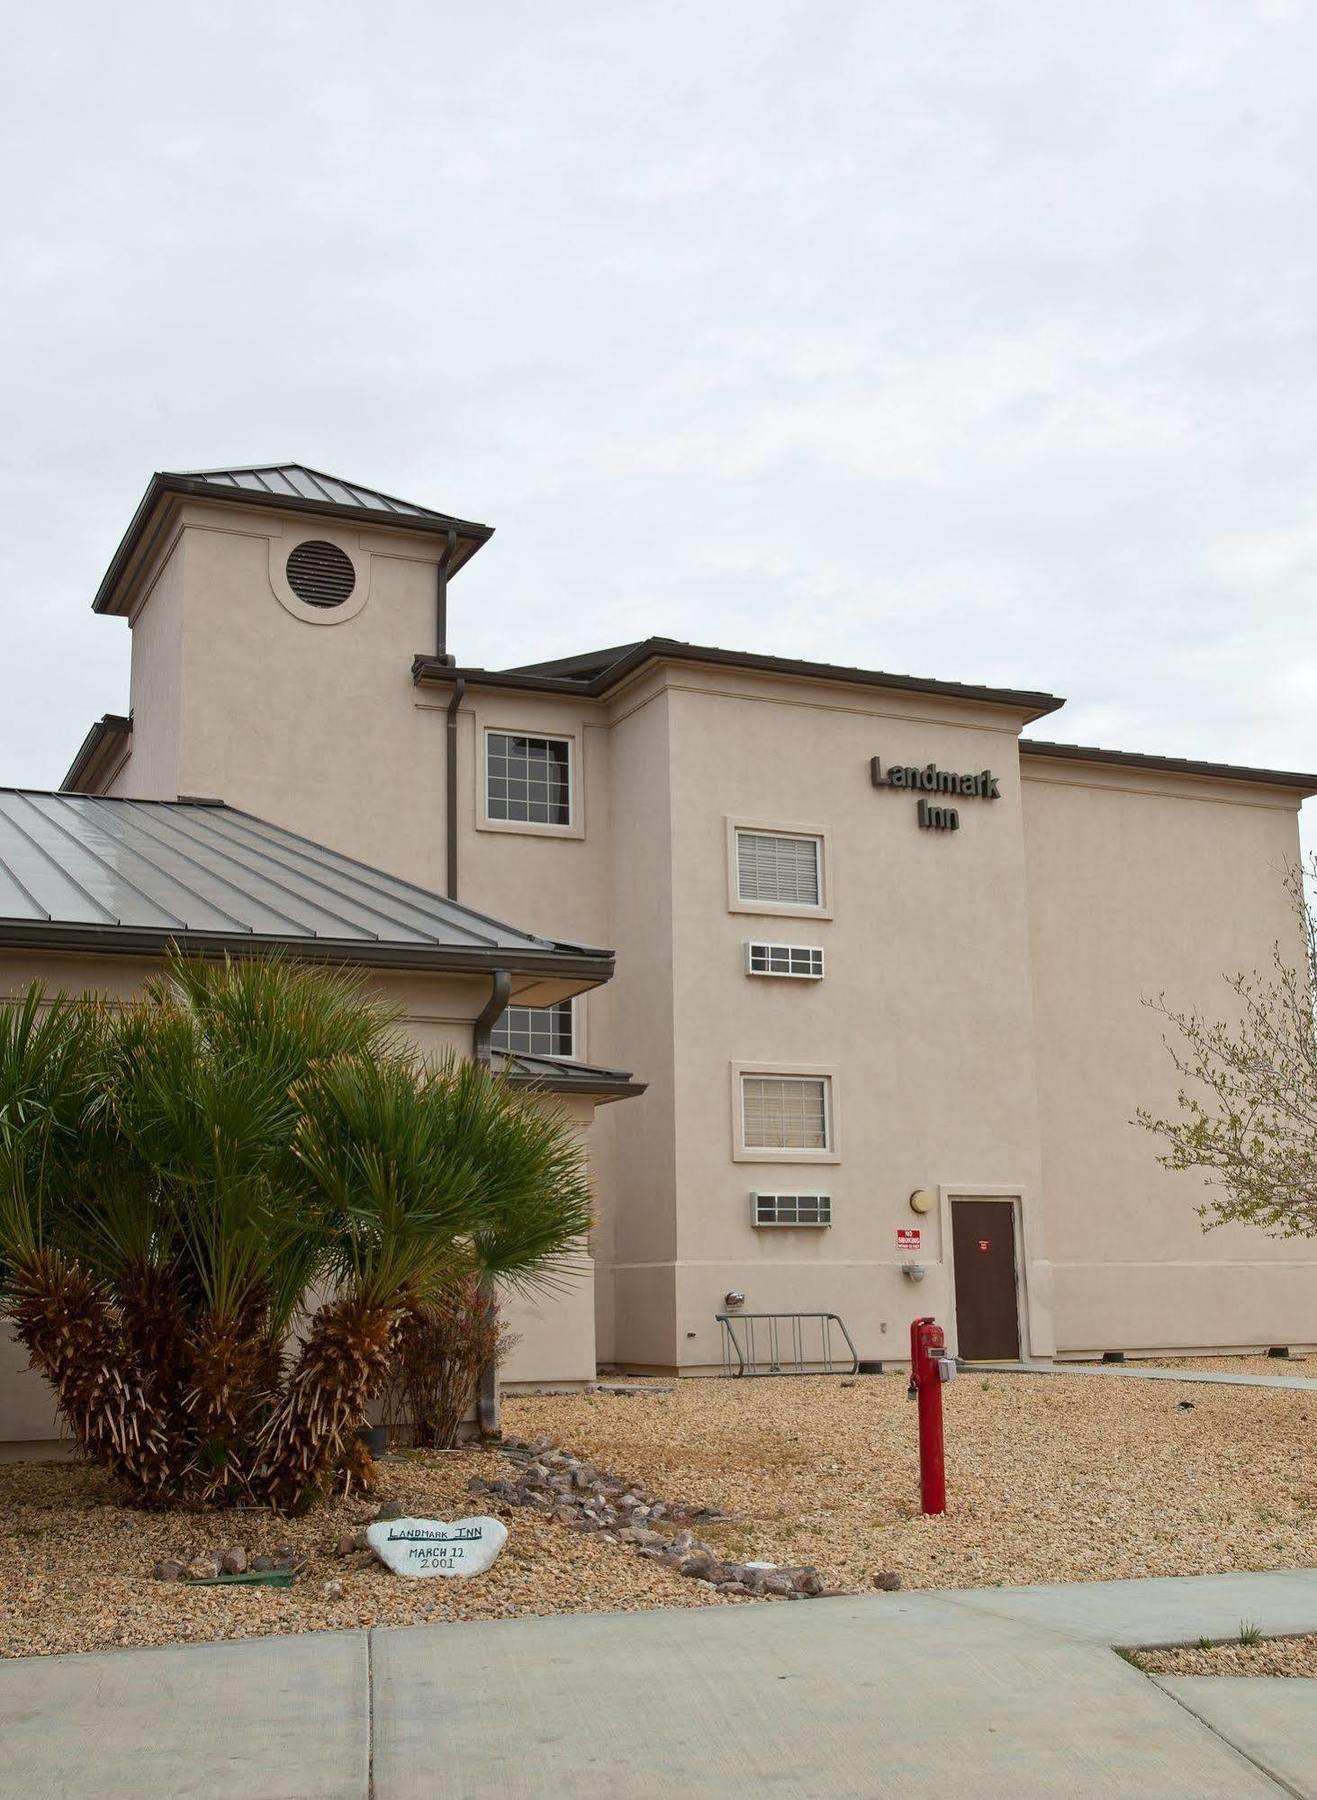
(294,481)
(199,869)
(292,487)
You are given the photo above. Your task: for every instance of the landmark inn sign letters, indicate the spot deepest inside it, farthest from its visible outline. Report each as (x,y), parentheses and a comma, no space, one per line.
(932,780)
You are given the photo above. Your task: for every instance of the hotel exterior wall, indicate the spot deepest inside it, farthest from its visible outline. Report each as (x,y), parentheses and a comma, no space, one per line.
(156,682)
(1070,899)
(554,1332)
(313,725)
(1143,883)
(610,884)
(924,1013)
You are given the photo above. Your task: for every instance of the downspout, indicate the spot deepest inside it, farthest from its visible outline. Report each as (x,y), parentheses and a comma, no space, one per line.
(450,785)
(500,989)
(487,1394)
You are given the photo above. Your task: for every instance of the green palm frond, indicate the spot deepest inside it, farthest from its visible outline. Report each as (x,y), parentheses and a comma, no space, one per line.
(182,1177)
(535,1195)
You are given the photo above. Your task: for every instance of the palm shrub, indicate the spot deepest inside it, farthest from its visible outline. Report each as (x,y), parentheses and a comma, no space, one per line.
(218,1206)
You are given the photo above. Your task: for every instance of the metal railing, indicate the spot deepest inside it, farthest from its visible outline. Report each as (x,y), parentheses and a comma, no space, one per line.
(784,1344)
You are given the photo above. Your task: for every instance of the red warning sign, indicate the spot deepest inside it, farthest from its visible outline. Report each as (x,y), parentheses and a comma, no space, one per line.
(908,1240)
(985,1243)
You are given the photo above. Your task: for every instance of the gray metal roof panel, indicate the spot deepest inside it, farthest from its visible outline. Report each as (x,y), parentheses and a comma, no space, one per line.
(558,1077)
(296,481)
(199,870)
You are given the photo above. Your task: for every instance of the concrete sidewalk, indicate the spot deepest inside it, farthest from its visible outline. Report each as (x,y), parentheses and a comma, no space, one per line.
(998,1692)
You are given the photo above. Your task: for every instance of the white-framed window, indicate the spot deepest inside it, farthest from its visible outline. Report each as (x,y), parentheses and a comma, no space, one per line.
(791,1209)
(536,1030)
(784,1113)
(528,779)
(777,869)
(801,962)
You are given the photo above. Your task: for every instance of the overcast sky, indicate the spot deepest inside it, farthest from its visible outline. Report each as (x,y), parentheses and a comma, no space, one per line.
(974,341)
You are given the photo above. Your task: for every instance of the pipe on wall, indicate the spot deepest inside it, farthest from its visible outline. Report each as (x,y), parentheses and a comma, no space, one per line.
(500,988)
(441,598)
(487,1394)
(450,784)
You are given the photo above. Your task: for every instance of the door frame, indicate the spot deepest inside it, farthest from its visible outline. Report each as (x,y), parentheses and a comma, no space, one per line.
(1032,1332)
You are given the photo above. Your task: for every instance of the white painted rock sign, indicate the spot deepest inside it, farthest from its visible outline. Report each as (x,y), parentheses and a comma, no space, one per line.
(419,1547)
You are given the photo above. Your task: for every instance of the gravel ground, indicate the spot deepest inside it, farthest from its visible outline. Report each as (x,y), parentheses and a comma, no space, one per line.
(1048,1480)
(1274,1656)
(75,1567)
(1304,1366)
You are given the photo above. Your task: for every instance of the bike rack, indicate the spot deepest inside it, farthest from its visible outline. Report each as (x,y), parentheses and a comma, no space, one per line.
(745,1351)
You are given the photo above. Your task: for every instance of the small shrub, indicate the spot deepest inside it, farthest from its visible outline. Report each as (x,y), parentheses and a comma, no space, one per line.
(443,1345)
(1250,1634)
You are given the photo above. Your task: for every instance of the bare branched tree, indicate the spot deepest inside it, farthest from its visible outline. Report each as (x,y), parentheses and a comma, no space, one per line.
(1248,1099)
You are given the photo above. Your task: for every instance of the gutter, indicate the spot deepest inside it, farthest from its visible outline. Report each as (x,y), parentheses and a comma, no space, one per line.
(109,728)
(125,940)
(427,669)
(1170,765)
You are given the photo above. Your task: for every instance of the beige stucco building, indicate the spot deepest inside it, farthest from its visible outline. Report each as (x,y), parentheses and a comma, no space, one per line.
(876,950)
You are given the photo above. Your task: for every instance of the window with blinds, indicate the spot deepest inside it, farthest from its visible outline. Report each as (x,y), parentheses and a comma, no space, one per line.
(778,869)
(791,1209)
(785,1112)
(535,1030)
(802,961)
(528,779)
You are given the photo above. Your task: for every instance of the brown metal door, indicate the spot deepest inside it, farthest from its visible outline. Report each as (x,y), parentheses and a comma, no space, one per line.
(983,1245)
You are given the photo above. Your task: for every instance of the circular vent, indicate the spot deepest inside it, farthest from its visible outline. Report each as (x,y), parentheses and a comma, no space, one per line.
(321,574)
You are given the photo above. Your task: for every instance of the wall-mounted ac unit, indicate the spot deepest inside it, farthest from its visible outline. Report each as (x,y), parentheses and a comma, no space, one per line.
(791,1209)
(799,962)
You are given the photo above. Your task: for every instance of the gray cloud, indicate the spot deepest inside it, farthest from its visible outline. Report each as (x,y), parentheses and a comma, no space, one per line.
(971,341)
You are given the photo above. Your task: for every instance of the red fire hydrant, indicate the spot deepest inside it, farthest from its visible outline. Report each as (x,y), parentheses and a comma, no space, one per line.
(930,1366)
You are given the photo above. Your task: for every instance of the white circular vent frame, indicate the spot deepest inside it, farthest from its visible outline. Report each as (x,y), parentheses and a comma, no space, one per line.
(311,612)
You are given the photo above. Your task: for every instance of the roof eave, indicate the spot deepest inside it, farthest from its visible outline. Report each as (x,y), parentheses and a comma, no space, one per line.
(111,726)
(602,1089)
(163,485)
(1292,780)
(124,940)
(1030,705)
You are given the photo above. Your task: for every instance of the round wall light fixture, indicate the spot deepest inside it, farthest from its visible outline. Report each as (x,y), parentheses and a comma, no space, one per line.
(922,1201)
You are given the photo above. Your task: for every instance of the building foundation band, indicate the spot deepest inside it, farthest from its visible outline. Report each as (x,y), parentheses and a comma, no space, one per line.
(821,1055)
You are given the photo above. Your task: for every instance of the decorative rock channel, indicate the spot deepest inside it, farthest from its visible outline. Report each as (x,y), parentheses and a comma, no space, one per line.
(585,1498)
(212,1565)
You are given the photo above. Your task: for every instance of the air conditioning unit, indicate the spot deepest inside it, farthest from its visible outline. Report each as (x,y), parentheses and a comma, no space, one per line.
(791,1209)
(798,962)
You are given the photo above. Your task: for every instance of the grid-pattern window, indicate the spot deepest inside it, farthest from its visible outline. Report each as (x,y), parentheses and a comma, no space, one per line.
(528,779)
(792,1209)
(785,1112)
(804,961)
(534,1030)
(777,869)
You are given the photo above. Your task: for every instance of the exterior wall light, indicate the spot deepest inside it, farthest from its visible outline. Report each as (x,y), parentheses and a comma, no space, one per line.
(730,1300)
(922,1201)
(913,1271)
